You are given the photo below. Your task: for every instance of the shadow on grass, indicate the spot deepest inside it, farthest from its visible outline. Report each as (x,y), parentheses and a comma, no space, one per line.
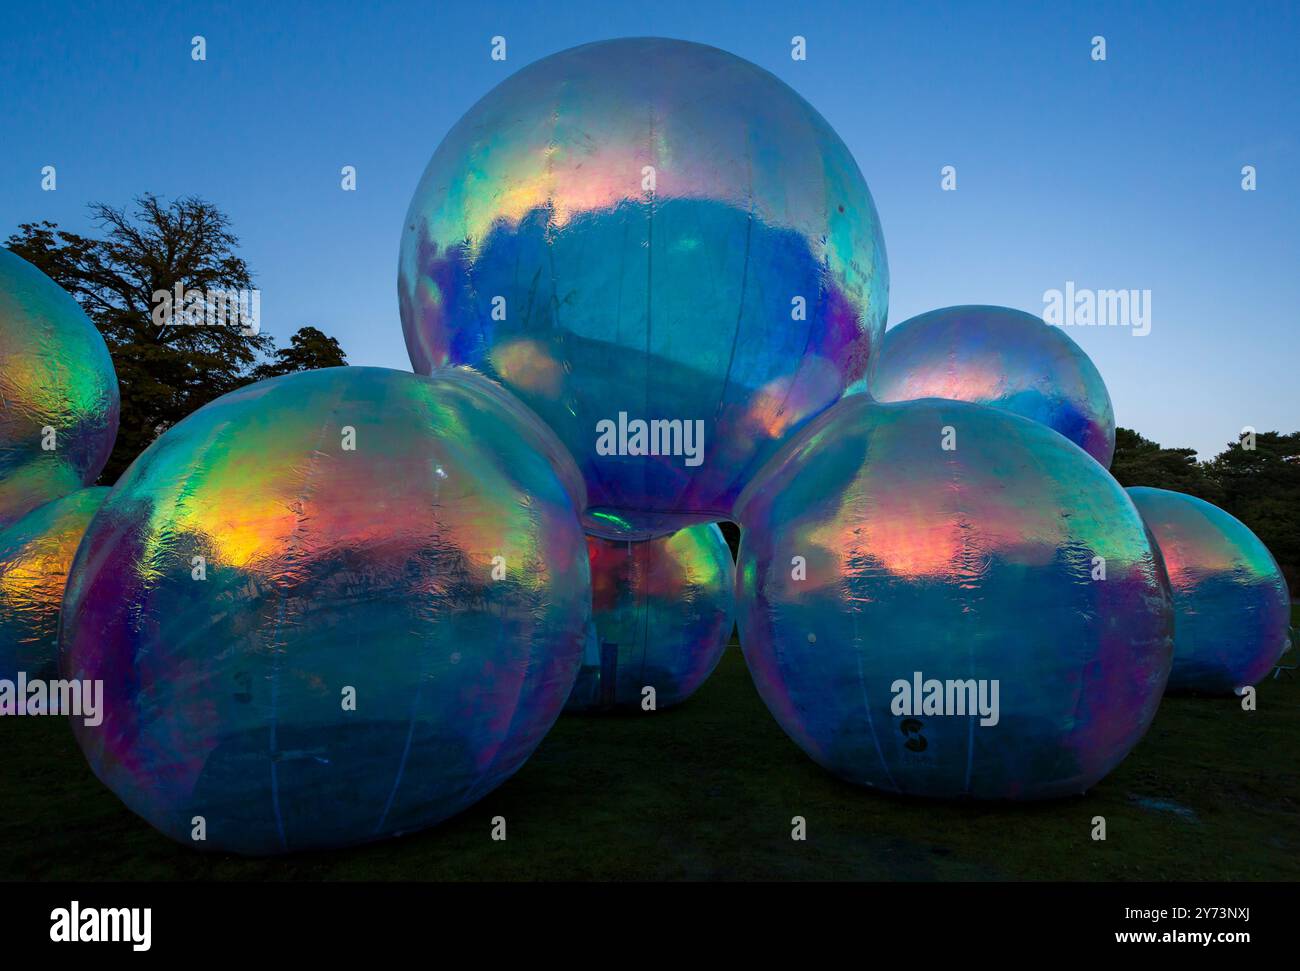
(707,790)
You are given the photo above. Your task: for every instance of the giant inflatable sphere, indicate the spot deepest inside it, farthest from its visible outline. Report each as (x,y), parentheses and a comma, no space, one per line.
(58,392)
(664,251)
(662,612)
(943,599)
(329,607)
(1232,609)
(1004,358)
(35,555)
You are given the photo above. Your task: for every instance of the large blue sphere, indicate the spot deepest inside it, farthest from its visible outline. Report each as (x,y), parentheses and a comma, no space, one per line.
(329,607)
(944,599)
(58,392)
(648,231)
(1232,611)
(1004,358)
(662,613)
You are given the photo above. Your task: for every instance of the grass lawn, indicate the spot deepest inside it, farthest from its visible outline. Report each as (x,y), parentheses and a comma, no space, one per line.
(707,791)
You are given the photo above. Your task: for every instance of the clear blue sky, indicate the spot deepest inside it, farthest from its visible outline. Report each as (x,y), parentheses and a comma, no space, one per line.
(1122,174)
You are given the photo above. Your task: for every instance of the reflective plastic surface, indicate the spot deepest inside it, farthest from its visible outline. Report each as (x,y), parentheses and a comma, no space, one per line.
(329,607)
(35,555)
(662,612)
(876,563)
(1232,610)
(58,389)
(648,230)
(1000,357)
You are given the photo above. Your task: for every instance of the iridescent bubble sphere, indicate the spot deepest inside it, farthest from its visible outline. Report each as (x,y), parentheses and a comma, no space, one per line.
(662,612)
(943,599)
(35,555)
(1232,610)
(1004,358)
(329,607)
(58,390)
(665,252)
